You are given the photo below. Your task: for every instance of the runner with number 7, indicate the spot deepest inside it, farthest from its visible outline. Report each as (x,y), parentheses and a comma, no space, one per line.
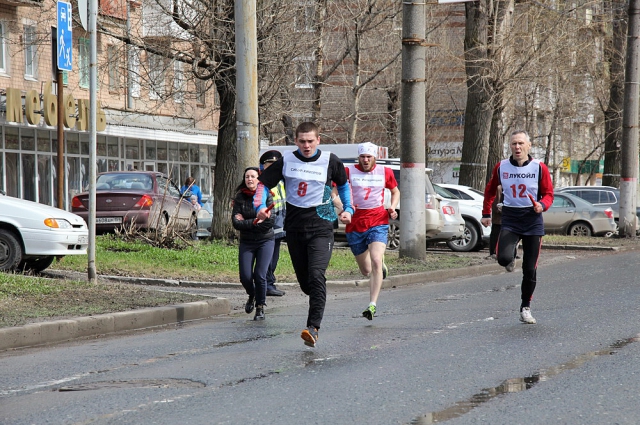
(528,191)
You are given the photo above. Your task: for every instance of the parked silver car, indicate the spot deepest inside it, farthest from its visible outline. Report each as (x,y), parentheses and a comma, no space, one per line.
(606,196)
(570,215)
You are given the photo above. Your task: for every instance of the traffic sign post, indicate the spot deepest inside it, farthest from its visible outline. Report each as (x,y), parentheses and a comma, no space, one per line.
(64,37)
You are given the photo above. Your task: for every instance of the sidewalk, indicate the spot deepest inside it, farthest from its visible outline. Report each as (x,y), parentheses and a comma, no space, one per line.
(65,330)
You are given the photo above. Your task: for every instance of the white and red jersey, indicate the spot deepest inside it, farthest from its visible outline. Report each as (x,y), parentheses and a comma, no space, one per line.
(305,181)
(367,189)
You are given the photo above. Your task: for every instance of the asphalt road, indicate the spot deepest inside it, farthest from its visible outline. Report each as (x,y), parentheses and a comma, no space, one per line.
(450,352)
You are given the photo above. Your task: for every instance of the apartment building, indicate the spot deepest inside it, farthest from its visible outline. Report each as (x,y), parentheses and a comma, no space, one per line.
(151,116)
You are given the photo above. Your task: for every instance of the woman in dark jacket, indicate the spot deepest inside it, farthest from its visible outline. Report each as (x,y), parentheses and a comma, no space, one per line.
(256,242)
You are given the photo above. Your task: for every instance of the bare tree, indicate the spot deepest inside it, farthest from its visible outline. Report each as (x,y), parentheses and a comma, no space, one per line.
(615,53)
(479,109)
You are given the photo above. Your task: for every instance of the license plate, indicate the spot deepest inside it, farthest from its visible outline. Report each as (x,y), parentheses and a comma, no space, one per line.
(83,239)
(108,220)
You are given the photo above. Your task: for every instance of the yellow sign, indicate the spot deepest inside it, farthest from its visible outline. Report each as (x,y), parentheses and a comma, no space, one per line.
(566,165)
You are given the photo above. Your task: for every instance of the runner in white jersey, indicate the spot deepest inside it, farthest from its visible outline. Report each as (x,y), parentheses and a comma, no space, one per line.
(367,234)
(308,174)
(527,192)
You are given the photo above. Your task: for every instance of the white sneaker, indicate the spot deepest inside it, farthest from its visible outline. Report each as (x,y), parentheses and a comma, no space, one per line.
(511,266)
(526,317)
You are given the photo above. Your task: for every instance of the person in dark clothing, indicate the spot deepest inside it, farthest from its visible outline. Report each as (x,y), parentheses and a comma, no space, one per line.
(279,212)
(528,191)
(256,241)
(308,174)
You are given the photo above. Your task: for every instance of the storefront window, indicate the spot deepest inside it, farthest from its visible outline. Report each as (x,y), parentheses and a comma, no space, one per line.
(184,153)
(74,176)
(162,151)
(13,168)
(44,179)
(195,153)
(184,173)
(101,146)
(132,149)
(1,171)
(204,154)
(84,143)
(113,165)
(84,170)
(28,139)
(162,167)
(11,140)
(173,151)
(101,165)
(73,145)
(29,177)
(150,150)
(112,147)
(195,173)
(204,180)
(44,144)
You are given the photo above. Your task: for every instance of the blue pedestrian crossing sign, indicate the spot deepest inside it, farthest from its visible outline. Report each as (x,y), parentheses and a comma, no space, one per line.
(64,36)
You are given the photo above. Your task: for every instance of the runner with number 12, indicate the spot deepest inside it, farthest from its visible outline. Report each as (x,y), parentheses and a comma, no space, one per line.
(528,191)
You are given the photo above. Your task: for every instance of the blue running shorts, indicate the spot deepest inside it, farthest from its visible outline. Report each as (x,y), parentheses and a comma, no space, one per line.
(359,241)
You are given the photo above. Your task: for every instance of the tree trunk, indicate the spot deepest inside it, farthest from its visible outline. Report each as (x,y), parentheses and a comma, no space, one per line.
(496,136)
(479,106)
(615,56)
(225,173)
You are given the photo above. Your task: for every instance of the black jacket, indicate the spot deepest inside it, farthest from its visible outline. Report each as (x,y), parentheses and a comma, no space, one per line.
(243,204)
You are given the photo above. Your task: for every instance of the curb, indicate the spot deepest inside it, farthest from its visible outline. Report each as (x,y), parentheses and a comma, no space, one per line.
(103,324)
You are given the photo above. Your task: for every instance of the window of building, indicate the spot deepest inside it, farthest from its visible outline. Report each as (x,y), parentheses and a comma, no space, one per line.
(134,67)
(83,62)
(3,49)
(304,72)
(113,58)
(30,52)
(157,75)
(178,82)
(201,92)
(305,17)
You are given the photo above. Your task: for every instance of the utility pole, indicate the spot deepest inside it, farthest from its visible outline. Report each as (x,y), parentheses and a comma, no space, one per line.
(629,149)
(93,104)
(246,84)
(413,242)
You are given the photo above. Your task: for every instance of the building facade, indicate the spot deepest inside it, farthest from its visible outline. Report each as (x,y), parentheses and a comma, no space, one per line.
(150,117)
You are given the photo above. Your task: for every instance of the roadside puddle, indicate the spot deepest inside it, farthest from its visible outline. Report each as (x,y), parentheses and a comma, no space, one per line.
(515,385)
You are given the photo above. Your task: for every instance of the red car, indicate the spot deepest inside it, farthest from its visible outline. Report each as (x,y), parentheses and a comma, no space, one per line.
(145,199)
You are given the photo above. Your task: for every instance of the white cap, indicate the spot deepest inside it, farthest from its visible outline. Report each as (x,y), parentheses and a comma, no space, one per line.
(368,148)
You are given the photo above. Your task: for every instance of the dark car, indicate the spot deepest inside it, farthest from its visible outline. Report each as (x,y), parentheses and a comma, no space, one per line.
(143,199)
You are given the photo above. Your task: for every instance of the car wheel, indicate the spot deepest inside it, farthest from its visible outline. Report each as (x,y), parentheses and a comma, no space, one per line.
(580,229)
(10,251)
(469,239)
(36,264)
(393,240)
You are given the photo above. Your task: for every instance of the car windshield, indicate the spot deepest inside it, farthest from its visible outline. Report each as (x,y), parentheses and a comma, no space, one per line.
(124,181)
(444,192)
